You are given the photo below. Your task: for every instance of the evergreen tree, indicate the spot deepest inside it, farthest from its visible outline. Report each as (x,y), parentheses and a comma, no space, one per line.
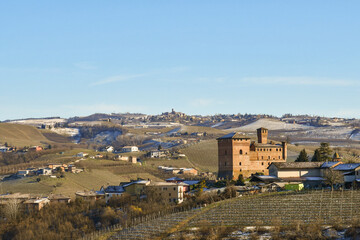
(317,156)
(303,157)
(325,152)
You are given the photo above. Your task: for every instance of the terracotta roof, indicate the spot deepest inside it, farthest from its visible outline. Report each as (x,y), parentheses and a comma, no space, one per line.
(291,165)
(234,135)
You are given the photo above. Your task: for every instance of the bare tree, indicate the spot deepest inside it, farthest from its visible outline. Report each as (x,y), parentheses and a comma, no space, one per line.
(12,208)
(333,177)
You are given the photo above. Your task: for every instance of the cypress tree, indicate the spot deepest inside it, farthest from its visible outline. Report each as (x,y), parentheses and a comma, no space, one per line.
(325,152)
(303,157)
(317,156)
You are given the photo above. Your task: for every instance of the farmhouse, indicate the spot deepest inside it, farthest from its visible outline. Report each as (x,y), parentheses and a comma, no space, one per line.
(130,149)
(238,155)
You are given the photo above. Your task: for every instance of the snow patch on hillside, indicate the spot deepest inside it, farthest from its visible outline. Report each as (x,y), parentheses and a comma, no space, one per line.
(270,124)
(72,132)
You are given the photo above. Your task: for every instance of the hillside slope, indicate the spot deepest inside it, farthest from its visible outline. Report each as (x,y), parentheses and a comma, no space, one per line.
(20,135)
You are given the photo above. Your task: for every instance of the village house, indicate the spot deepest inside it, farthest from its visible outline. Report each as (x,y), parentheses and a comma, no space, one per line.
(4,198)
(82,154)
(130,149)
(350,171)
(238,155)
(156,154)
(4,149)
(109,149)
(44,171)
(99,156)
(35,149)
(112,191)
(188,171)
(54,165)
(56,198)
(136,188)
(90,195)
(171,192)
(22,173)
(36,204)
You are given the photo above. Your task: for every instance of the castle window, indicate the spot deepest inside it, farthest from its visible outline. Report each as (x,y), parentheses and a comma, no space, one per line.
(280,149)
(269,157)
(245,153)
(277,150)
(240,151)
(224,163)
(262,157)
(262,164)
(270,149)
(240,170)
(240,163)
(279,157)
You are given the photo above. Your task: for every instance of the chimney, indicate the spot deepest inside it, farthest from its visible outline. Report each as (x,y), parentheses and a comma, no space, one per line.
(262,134)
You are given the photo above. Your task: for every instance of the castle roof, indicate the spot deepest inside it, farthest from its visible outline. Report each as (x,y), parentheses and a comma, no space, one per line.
(267,145)
(234,135)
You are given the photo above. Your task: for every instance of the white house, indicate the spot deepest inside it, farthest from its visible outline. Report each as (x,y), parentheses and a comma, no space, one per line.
(45,171)
(110,149)
(23,173)
(82,154)
(3,149)
(130,149)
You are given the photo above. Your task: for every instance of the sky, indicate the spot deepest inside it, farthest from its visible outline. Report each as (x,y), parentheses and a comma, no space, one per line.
(74,58)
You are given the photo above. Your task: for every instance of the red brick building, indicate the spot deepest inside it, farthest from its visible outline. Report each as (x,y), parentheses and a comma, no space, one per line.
(239,155)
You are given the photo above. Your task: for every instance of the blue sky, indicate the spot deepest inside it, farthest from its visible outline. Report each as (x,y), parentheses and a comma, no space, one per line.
(74,58)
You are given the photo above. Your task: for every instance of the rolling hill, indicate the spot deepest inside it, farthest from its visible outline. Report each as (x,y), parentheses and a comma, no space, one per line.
(20,135)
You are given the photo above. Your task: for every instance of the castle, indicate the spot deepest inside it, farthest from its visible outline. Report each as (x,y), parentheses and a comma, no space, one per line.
(238,155)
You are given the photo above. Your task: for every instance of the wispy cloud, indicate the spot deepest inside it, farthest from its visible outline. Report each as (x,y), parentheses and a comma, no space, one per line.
(306,81)
(126,77)
(85,65)
(117,78)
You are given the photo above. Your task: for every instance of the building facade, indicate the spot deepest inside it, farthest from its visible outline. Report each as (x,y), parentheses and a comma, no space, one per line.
(238,155)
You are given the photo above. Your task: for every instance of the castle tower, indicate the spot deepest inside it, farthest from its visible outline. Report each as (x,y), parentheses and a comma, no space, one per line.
(233,155)
(262,134)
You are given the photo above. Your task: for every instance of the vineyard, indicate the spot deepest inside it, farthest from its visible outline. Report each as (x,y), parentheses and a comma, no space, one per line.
(287,208)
